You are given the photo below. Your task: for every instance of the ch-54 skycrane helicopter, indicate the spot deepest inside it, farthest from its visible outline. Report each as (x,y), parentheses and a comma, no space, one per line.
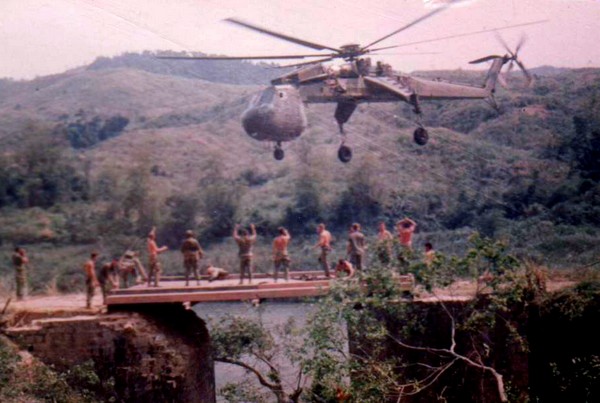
(277,113)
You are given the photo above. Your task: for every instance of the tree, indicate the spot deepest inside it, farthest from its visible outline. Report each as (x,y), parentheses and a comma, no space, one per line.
(398,350)
(247,343)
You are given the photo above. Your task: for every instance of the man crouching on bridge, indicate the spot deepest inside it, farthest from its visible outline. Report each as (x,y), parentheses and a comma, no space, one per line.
(245,243)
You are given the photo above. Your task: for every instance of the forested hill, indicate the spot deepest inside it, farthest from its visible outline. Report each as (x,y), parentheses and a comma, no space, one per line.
(220,71)
(133,141)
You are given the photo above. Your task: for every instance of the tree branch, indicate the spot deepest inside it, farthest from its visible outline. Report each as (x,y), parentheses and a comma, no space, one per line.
(263,381)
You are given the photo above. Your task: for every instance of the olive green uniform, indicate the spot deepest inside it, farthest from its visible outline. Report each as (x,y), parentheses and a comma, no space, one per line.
(192,253)
(20,275)
(245,245)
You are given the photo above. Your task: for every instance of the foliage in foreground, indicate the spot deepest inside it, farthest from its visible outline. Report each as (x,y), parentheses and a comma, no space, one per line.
(365,344)
(23,378)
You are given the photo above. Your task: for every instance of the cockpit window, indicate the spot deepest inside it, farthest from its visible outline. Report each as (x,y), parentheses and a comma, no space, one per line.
(267,96)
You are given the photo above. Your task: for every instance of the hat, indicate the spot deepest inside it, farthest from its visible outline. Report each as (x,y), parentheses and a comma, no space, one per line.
(189,233)
(129,253)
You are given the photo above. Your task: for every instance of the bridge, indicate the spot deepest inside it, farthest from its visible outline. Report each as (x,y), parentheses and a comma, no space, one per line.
(301,284)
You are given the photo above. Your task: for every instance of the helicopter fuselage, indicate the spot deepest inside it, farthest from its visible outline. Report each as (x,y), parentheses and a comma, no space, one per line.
(277,113)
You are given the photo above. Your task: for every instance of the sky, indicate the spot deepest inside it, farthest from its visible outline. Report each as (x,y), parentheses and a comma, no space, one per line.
(42,37)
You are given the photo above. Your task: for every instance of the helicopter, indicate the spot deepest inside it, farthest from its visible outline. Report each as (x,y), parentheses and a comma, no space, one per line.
(277,113)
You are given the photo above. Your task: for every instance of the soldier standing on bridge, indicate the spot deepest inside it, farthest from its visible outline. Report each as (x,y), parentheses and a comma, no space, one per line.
(192,253)
(109,278)
(245,243)
(356,247)
(385,240)
(91,282)
(281,258)
(20,260)
(324,243)
(153,252)
(405,227)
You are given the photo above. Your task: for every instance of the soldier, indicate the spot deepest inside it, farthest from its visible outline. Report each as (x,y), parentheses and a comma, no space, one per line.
(192,253)
(281,258)
(108,278)
(216,273)
(344,266)
(19,260)
(356,246)
(245,243)
(129,264)
(429,254)
(91,282)
(385,240)
(153,252)
(405,228)
(324,243)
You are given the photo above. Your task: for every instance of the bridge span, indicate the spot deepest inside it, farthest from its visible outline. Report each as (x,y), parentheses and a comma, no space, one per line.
(173,289)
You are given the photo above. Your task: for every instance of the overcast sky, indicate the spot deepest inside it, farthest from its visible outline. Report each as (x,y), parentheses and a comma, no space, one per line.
(40,37)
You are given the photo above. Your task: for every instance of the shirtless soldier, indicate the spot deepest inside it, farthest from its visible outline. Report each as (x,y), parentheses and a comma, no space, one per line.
(91,282)
(192,253)
(245,243)
(324,243)
(405,228)
(281,258)
(19,260)
(153,252)
(385,240)
(216,273)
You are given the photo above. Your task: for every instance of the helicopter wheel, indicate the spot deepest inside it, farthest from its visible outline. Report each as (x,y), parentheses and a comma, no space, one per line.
(278,154)
(421,136)
(345,154)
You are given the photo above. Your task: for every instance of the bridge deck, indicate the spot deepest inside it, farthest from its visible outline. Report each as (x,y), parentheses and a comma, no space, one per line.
(173,289)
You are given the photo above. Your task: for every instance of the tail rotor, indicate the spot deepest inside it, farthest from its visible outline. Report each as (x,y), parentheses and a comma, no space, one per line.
(512,58)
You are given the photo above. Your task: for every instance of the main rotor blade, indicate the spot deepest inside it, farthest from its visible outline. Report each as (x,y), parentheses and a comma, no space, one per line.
(465,34)
(415,22)
(404,53)
(288,38)
(485,59)
(238,57)
(306,63)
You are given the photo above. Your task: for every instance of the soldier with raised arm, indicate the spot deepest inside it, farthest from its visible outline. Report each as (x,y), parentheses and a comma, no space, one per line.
(192,253)
(153,252)
(324,243)
(245,243)
(406,227)
(281,258)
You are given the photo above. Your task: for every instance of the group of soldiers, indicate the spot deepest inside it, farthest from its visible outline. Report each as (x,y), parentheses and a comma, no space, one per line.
(120,272)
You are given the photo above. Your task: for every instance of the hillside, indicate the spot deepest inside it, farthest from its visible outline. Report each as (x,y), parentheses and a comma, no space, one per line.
(181,157)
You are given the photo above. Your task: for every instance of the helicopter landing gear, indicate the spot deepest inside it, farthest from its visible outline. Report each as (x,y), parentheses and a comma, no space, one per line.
(344,153)
(278,152)
(421,136)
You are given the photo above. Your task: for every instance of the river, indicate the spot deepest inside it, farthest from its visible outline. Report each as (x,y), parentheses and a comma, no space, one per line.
(272,314)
